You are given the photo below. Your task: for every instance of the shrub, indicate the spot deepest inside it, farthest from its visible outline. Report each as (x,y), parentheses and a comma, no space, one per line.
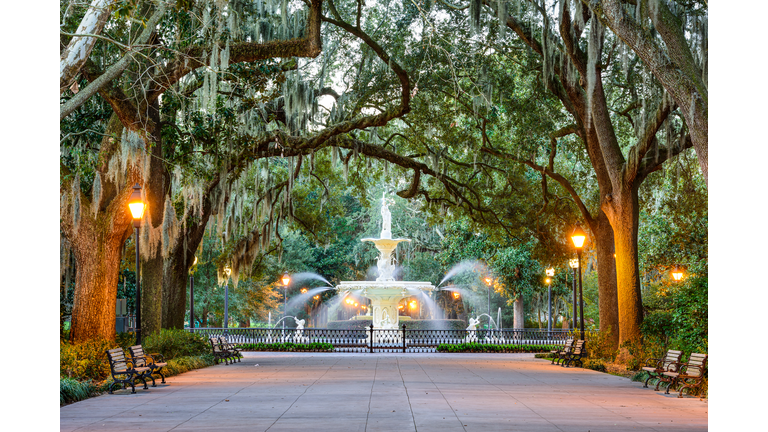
(86,360)
(72,390)
(594,364)
(286,346)
(479,347)
(173,343)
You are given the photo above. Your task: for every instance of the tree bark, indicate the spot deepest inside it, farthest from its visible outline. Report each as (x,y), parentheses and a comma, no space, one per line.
(97,251)
(519,314)
(606,279)
(622,211)
(155,186)
(96,232)
(674,67)
(74,56)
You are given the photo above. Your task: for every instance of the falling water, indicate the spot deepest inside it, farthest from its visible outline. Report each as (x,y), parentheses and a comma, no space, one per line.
(303,298)
(309,276)
(467,265)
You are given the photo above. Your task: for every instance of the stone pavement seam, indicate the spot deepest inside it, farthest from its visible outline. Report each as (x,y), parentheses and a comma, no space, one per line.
(370,394)
(302,394)
(260,378)
(407,396)
(454,410)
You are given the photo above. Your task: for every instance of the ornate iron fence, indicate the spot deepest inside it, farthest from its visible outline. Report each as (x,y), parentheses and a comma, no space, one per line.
(388,340)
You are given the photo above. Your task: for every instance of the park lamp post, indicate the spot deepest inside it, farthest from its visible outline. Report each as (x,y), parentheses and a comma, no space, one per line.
(137,206)
(192,296)
(574,263)
(286,279)
(550,274)
(489,282)
(578,236)
(677,273)
(227,272)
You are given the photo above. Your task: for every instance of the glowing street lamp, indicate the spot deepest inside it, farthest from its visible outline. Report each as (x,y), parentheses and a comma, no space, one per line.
(489,282)
(227,272)
(456,295)
(574,263)
(550,274)
(578,236)
(192,296)
(136,206)
(677,273)
(286,279)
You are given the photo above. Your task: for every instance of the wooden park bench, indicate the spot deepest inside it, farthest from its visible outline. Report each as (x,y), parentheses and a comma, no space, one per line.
(155,362)
(219,352)
(124,372)
(689,375)
(232,348)
(559,354)
(575,355)
(657,366)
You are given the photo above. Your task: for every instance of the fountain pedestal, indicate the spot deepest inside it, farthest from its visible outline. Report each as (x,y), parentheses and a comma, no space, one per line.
(385,292)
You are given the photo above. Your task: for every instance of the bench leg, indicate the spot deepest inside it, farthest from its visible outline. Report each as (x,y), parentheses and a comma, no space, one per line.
(645,385)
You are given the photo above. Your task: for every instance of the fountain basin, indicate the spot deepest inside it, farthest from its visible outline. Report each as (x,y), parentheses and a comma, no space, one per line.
(384,296)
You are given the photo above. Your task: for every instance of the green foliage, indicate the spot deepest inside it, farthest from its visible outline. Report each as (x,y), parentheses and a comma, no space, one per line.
(187,363)
(483,348)
(594,364)
(690,316)
(173,343)
(286,346)
(85,361)
(72,390)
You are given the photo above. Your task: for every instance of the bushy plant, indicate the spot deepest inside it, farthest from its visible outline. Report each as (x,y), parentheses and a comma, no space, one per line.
(86,360)
(72,390)
(595,364)
(173,343)
(690,316)
(286,346)
(481,347)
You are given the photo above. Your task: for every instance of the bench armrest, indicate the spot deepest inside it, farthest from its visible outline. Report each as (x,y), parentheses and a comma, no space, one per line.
(653,362)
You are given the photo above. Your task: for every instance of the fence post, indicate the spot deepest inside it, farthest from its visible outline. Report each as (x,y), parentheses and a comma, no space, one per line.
(403,337)
(370,340)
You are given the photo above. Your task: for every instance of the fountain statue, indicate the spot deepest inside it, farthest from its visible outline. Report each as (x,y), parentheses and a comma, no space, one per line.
(298,336)
(385,292)
(472,330)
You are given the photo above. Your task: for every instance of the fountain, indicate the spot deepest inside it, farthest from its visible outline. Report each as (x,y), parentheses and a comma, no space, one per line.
(385,292)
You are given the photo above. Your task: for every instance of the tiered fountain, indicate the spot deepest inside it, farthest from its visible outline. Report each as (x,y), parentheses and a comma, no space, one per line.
(385,292)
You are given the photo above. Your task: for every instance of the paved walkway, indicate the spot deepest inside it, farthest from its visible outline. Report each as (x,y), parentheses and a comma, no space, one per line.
(389,392)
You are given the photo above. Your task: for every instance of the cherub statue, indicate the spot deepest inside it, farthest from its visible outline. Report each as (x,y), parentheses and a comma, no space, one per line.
(299,323)
(471,330)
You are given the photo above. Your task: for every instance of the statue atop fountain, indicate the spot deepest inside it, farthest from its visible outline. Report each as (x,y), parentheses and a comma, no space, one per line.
(385,292)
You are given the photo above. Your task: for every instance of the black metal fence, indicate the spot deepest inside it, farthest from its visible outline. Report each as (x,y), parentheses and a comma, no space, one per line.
(387,340)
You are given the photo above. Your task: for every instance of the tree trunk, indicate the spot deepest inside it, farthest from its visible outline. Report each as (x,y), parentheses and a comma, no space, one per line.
(519,316)
(97,232)
(175,282)
(622,211)
(155,189)
(97,252)
(608,301)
